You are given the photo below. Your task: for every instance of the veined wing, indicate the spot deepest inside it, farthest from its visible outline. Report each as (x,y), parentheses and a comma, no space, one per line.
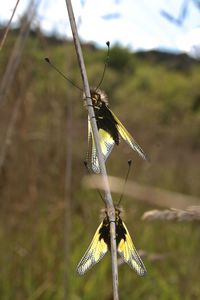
(129,254)
(95,252)
(128,137)
(106,143)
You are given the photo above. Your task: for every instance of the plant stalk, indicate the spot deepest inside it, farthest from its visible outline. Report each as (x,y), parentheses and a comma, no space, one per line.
(108,197)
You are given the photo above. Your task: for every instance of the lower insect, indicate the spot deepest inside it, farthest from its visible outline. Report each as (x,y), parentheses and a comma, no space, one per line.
(101,244)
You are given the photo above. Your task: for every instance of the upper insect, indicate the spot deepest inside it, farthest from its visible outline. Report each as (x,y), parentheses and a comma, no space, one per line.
(110,129)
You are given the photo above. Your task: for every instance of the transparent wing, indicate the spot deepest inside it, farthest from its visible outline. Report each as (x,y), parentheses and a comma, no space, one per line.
(106,143)
(129,254)
(95,252)
(128,138)
(90,155)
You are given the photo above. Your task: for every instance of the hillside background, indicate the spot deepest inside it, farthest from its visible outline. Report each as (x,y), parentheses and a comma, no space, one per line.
(157,96)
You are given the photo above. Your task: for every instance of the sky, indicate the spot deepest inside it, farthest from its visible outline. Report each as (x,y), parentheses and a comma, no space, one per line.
(168,25)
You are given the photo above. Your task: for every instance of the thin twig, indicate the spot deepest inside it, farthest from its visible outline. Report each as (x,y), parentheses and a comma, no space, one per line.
(16,55)
(8,26)
(68,195)
(9,132)
(108,197)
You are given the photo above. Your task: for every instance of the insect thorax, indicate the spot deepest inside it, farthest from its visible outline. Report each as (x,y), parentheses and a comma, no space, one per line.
(105,218)
(104,232)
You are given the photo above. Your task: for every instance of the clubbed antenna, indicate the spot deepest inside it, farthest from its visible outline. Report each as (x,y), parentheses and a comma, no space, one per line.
(129,168)
(105,65)
(63,75)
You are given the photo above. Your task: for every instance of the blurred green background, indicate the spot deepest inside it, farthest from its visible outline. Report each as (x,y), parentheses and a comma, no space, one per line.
(157,96)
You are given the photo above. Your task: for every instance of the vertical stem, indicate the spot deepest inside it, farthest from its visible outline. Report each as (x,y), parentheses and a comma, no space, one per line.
(68,195)
(108,197)
(17,51)
(8,26)
(9,132)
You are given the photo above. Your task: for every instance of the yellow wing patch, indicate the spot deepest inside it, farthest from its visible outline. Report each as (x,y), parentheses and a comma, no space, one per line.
(128,138)
(106,143)
(129,254)
(95,252)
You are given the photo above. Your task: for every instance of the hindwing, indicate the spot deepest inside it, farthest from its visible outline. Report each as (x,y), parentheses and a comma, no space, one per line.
(106,143)
(95,252)
(127,251)
(127,137)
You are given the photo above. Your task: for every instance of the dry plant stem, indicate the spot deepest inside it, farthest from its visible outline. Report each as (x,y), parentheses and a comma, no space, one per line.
(17,52)
(9,132)
(145,193)
(108,197)
(8,26)
(68,195)
(190,214)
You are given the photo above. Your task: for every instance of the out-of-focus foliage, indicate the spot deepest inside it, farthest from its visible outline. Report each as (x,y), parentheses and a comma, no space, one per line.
(156,95)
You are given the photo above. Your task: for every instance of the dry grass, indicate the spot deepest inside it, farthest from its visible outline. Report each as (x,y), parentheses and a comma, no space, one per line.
(192,213)
(148,194)
(8,26)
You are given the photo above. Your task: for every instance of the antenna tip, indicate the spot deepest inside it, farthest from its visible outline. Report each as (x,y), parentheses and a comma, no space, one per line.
(47,60)
(129,162)
(108,44)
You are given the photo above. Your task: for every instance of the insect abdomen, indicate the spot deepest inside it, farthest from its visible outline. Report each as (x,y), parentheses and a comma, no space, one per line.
(106,122)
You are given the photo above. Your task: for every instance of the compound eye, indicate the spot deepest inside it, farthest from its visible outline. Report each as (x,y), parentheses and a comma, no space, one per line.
(94,99)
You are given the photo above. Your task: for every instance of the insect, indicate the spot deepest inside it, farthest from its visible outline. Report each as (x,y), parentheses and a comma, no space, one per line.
(110,129)
(101,243)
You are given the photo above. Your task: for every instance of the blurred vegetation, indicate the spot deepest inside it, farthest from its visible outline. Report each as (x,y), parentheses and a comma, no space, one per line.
(157,97)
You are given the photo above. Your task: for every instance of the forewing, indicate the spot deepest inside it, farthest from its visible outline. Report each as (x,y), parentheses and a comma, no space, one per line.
(129,254)
(128,137)
(106,143)
(95,252)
